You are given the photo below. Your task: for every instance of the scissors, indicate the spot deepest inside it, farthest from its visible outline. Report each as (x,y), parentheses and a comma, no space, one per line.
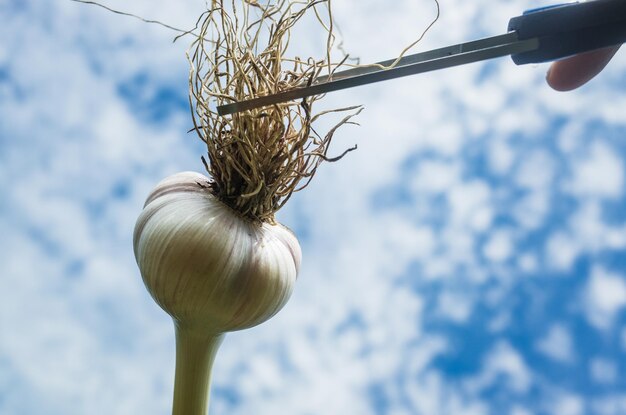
(539,35)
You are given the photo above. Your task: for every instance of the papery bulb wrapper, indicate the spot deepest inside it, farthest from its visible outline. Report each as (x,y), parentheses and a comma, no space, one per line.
(205,265)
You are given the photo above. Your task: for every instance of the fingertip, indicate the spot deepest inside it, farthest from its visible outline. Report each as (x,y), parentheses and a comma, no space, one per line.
(571,73)
(560,78)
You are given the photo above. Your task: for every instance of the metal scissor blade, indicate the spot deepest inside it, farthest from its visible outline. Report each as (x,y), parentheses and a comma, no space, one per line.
(464,53)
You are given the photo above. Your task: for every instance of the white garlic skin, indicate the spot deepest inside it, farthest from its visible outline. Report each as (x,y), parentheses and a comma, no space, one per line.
(206,266)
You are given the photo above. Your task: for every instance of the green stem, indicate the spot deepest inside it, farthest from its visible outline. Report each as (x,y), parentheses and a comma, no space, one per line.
(195,353)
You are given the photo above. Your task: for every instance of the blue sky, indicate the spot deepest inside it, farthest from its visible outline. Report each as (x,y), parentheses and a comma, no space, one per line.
(469,258)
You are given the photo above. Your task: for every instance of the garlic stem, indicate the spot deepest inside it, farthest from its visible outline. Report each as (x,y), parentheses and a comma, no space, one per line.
(195,353)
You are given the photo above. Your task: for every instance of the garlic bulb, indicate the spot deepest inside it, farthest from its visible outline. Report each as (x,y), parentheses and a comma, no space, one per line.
(212,271)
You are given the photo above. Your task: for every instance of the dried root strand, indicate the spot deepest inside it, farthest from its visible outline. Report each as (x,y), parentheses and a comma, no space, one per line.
(258,158)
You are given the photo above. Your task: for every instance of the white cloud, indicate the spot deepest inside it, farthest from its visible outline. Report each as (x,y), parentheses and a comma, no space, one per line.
(531,210)
(520,411)
(536,171)
(557,344)
(598,172)
(470,203)
(436,176)
(567,404)
(429,395)
(611,404)
(528,263)
(501,156)
(586,232)
(571,137)
(503,360)
(406,242)
(591,231)
(455,306)
(605,296)
(561,251)
(603,370)
(499,247)
(499,322)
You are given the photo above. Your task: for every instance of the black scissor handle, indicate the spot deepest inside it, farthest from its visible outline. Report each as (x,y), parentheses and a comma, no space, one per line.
(569,29)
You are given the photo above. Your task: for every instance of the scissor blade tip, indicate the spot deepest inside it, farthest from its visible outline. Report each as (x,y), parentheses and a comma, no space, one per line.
(228,109)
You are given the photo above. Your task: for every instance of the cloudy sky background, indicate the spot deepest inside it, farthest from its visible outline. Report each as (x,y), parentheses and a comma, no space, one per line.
(469,258)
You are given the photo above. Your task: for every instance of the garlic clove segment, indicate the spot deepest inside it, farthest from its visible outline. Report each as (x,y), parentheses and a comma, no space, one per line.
(206,266)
